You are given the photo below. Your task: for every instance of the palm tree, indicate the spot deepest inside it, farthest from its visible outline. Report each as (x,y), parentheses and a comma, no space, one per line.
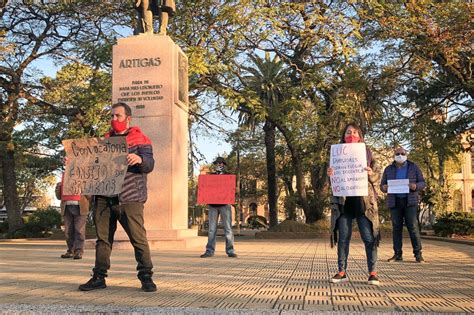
(267,80)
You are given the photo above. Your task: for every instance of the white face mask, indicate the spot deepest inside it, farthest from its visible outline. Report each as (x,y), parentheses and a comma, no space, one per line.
(219,168)
(400,158)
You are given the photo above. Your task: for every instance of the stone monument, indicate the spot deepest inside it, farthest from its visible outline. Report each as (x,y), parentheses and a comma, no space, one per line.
(150,73)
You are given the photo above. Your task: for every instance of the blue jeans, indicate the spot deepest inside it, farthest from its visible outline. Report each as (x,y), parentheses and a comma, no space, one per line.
(226,218)
(344,224)
(401,213)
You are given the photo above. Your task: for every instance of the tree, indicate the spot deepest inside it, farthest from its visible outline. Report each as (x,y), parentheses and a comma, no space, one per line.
(266,80)
(210,33)
(35,32)
(315,40)
(428,33)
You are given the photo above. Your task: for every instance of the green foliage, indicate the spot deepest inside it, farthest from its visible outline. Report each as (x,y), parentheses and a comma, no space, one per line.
(293,226)
(40,223)
(459,223)
(290,203)
(80,87)
(3,227)
(256,221)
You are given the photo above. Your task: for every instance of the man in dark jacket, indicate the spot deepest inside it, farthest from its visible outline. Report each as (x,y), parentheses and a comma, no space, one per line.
(225,212)
(127,207)
(404,206)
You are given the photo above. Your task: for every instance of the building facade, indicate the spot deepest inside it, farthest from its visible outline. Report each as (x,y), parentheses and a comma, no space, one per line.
(462,182)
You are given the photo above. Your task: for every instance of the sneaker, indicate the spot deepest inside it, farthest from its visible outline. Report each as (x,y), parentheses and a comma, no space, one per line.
(339,278)
(78,255)
(233,255)
(206,255)
(93,284)
(67,255)
(395,258)
(419,259)
(373,279)
(147,284)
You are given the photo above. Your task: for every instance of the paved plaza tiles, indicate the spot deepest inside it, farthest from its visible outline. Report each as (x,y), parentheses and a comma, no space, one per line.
(268,277)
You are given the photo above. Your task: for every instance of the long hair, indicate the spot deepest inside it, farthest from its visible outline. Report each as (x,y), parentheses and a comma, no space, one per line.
(356,127)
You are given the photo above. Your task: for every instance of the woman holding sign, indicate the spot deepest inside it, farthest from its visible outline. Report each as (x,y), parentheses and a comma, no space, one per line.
(350,201)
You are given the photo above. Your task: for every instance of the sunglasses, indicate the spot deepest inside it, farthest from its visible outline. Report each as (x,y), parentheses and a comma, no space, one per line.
(400,154)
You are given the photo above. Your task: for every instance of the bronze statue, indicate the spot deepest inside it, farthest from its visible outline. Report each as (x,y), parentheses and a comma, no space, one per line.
(147,9)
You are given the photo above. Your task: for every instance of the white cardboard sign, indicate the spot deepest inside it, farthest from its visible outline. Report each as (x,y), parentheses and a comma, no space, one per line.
(348,161)
(96,166)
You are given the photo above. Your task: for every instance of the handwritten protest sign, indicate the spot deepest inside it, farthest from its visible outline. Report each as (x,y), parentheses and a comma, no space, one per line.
(348,161)
(216,189)
(95,166)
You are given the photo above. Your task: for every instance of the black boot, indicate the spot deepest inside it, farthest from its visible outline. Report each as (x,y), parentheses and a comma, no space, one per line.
(395,258)
(147,284)
(77,254)
(68,254)
(94,283)
(419,258)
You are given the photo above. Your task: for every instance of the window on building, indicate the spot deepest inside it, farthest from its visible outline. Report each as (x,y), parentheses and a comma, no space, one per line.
(472,160)
(253,208)
(472,200)
(457,201)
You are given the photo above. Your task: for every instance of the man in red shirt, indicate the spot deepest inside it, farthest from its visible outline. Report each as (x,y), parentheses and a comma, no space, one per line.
(74,209)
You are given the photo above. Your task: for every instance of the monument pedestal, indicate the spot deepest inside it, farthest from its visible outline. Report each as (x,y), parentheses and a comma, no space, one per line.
(150,74)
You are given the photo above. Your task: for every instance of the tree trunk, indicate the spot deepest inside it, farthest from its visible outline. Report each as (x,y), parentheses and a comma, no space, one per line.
(290,193)
(297,163)
(9,186)
(442,182)
(320,185)
(269,129)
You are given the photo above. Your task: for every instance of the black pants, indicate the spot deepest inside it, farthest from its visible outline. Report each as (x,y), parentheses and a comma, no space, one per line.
(408,214)
(130,215)
(74,228)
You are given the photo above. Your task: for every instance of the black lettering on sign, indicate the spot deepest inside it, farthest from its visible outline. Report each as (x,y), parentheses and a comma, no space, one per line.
(140,63)
(95,166)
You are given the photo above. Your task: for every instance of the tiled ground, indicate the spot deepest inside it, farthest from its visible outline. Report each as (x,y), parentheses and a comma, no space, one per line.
(268,275)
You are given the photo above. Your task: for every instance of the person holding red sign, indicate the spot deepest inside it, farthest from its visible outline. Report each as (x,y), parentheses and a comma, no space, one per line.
(362,208)
(224,211)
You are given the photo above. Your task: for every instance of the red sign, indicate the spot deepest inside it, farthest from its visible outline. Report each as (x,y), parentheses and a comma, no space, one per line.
(216,189)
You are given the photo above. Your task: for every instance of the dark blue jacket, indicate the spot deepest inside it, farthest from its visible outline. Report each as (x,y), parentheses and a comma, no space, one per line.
(134,187)
(414,176)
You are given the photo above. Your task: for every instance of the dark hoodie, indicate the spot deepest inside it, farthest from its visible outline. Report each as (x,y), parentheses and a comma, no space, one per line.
(134,187)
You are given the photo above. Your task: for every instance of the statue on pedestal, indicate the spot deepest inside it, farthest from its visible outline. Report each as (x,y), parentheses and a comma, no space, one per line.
(147,9)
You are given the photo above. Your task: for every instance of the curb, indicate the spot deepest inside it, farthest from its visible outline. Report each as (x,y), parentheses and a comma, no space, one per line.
(448,240)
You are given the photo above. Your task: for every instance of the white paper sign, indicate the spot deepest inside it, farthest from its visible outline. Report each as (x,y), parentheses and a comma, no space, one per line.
(398,186)
(348,161)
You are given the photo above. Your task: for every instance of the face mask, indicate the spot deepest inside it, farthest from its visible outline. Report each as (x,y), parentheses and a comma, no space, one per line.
(119,126)
(351,139)
(400,158)
(219,168)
